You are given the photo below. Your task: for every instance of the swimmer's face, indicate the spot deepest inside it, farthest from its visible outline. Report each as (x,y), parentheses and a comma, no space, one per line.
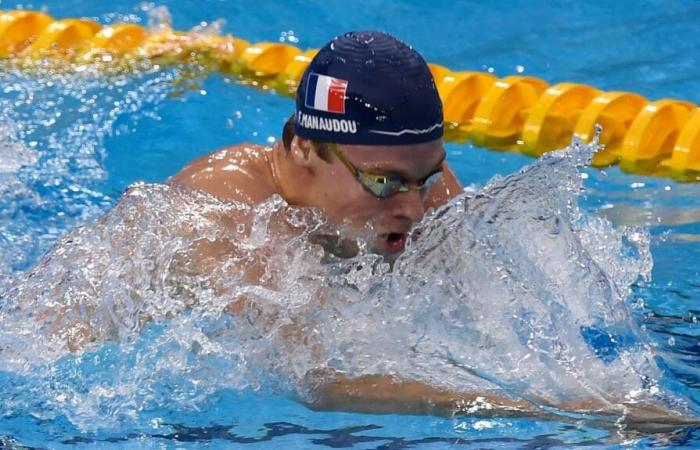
(346,201)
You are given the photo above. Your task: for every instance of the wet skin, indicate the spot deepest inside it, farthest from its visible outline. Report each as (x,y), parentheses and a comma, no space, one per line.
(251,174)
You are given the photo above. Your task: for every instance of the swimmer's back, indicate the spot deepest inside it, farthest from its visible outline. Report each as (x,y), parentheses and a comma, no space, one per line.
(240,173)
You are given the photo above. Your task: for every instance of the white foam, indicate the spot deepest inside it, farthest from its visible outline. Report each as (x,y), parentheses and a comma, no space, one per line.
(493,297)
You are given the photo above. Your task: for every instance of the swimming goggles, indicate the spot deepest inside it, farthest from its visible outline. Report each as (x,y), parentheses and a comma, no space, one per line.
(385,185)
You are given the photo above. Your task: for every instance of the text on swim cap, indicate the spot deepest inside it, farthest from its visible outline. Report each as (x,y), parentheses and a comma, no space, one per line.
(323,124)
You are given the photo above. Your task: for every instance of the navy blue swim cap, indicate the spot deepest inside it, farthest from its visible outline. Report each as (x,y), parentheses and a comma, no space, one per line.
(368,88)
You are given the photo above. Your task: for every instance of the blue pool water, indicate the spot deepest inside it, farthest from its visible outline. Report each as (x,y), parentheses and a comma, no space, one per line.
(70,146)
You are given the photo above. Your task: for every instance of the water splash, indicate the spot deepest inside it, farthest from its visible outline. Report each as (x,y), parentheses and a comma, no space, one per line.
(159,17)
(510,289)
(54,124)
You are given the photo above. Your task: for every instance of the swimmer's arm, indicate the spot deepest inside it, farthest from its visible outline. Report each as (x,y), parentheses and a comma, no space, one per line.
(444,190)
(381,394)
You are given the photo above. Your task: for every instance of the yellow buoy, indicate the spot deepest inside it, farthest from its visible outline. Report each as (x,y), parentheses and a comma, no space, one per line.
(63,36)
(550,124)
(500,115)
(614,111)
(654,131)
(268,58)
(439,72)
(121,38)
(288,79)
(461,92)
(18,29)
(686,152)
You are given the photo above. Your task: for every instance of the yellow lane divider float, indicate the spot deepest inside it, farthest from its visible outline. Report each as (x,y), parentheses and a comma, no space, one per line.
(515,113)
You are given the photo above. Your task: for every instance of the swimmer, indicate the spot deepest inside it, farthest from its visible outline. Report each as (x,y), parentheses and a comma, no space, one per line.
(365,146)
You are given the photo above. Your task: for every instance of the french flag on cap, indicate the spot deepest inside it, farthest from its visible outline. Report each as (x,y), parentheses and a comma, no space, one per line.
(326,93)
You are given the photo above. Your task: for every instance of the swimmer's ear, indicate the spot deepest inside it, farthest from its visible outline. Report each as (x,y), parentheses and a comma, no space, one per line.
(300,151)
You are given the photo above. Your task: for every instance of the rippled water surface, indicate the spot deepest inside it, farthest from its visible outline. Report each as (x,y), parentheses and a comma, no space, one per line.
(553,284)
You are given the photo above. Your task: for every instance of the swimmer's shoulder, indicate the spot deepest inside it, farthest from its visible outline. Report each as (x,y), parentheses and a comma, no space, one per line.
(239,173)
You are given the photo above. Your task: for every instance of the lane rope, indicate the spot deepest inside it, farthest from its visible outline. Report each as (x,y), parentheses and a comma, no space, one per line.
(517,113)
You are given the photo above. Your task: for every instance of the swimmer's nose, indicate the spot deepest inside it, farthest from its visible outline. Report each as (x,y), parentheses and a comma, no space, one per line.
(409,205)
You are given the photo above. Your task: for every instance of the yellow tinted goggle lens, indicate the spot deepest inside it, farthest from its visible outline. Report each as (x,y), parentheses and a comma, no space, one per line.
(382,185)
(385,185)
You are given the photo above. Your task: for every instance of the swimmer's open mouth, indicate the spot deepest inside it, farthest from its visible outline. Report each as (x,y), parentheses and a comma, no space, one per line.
(393,237)
(393,242)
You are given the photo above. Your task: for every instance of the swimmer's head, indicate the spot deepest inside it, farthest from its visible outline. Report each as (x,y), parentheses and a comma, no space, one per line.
(366,137)
(368,88)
